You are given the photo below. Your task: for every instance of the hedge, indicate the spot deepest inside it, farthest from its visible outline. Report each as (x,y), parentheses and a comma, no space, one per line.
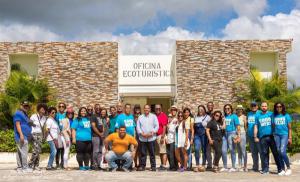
(7,143)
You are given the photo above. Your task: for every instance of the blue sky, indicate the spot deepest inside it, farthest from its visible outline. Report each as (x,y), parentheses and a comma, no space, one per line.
(153,26)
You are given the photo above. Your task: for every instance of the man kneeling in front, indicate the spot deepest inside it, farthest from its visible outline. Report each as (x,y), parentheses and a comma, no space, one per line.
(120,145)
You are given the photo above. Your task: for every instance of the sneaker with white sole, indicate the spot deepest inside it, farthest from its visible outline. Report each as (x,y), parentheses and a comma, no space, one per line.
(288,172)
(232,170)
(27,170)
(281,173)
(224,170)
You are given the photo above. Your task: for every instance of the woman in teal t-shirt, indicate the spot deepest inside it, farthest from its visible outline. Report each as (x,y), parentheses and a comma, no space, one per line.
(283,134)
(232,134)
(82,138)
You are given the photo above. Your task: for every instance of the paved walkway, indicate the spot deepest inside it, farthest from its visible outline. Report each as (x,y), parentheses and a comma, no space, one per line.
(7,173)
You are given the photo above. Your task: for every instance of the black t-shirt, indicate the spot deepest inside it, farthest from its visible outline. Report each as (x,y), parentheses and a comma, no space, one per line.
(216,132)
(96,119)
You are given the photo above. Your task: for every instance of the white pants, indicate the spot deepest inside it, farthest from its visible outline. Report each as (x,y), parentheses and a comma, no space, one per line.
(66,151)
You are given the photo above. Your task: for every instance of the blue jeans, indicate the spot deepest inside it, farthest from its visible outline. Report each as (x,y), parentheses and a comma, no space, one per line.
(281,144)
(242,153)
(224,151)
(111,158)
(229,144)
(268,142)
(255,150)
(189,153)
(200,143)
(52,153)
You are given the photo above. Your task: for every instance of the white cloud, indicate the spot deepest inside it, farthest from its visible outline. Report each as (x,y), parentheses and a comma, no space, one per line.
(70,17)
(280,26)
(18,32)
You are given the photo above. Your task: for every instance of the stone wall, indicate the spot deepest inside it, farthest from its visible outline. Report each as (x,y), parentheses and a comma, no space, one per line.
(207,70)
(80,72)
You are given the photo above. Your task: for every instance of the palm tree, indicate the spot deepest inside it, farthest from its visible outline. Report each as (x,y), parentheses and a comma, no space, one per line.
(20,86)
(271,90)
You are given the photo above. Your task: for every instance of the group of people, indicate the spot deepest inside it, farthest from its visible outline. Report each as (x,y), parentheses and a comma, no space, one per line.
(121,137)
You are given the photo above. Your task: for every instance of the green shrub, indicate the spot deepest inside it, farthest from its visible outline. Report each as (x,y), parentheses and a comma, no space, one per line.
(295,147)
(21,86)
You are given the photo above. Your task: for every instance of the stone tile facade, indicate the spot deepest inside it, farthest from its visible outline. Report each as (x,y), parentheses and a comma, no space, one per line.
(80,72)
(207,70)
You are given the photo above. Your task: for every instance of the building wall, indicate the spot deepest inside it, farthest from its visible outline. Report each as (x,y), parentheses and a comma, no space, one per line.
(81,73)
(207,70)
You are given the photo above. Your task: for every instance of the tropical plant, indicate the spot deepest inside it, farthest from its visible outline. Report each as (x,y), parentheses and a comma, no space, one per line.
(271,90)
(21,86)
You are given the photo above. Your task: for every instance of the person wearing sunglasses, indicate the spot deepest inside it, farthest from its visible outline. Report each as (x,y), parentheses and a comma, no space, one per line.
(90,110)
(283,134)
(60,115)
(215,134)
(263,133)
(82,137)
(170,141)
(182,142)
(161,134)
(53,133)
(232,137)
(22,133)
(255,148)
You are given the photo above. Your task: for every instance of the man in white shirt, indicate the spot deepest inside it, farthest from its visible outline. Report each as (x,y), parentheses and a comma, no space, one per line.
(38,121)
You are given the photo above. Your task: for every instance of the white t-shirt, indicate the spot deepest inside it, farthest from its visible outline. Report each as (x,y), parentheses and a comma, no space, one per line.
(171,130)
(37,119)
(54,129)
(203,119)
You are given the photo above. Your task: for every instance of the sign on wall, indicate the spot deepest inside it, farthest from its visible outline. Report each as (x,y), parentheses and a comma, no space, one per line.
(146,70)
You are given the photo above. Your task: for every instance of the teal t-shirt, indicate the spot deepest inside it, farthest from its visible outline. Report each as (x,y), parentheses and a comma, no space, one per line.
(281,124)
(251,122)
(112,123)
(232,121)
(83,129)
(264,123)
(58,117)
(128,121)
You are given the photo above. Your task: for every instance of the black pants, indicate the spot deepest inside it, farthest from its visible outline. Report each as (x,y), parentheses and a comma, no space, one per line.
(60,154)
(83,150)
(150,147)
(268,142)
(217,146)
(208,155)
(171,155)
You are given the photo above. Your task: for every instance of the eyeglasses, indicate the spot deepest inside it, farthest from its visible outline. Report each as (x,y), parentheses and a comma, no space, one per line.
(61,106)
(157,108)
(217,115)
(227,108)
(173,109)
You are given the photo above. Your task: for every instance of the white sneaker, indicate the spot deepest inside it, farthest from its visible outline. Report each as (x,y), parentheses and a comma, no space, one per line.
(281,173)
(19,170)
(224,170)
(232,170)
(27,170)
(288,172)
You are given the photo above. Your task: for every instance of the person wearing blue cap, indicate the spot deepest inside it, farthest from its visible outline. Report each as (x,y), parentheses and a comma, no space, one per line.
(255,148)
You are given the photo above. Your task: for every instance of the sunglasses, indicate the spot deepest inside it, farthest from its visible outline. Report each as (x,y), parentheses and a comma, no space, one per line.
(227,108)
(279,106)
(61,106)
(180,116)
(173,109)
(157,108)
(69,113)
(89,109)
(217,115)
(53,112)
